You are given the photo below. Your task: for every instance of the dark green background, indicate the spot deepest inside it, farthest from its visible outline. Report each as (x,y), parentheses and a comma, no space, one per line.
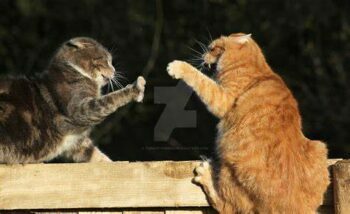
(306,42)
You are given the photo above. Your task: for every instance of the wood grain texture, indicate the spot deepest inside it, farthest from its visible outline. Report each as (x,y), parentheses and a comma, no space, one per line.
(121,185)
(341,182)
(99,185)
(143,212)
(193,211)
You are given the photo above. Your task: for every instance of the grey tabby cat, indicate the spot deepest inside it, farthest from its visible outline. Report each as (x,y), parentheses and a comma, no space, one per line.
(51,115)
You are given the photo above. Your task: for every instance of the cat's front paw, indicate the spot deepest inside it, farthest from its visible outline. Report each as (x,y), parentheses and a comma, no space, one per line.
(140,86)
(176,68)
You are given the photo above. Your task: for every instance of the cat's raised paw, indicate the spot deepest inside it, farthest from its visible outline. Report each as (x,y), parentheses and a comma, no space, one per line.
(140,86)
(176,69)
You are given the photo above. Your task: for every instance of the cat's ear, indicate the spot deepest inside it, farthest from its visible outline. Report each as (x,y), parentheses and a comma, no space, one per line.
(244,39)
(75,44)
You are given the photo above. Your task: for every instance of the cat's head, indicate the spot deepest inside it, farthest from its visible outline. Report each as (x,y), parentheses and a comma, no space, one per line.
(88,58)
(227,50)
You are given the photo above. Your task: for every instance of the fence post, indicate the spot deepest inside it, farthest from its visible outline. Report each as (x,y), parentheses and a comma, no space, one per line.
(341,182)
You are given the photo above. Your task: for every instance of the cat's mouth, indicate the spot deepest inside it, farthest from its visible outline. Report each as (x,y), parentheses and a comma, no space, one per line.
(211,67)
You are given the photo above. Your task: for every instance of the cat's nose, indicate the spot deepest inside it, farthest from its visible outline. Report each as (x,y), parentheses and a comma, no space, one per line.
(113,69)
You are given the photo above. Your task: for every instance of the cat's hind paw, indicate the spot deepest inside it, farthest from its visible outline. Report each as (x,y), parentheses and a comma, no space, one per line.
(203,173)
(176,69)
(140,86)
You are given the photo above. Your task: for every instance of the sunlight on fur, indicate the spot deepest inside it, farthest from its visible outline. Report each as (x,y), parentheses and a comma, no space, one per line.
(266,163)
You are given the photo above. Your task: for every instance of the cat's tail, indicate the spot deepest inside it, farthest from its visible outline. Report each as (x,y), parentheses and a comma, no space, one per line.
(319,170)
(319,149)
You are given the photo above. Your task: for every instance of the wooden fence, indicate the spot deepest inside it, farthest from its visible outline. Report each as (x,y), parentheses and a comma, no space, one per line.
(123,187)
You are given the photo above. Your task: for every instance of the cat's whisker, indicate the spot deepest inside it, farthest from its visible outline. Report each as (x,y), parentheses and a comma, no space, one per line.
(197,62)
(194,50)
(111,84)
(202,45)
(196,59)
(194,62)
(108,88)
(121,77)
(120,81)
(118,84)
(117,77)
(210,37)
(203,49)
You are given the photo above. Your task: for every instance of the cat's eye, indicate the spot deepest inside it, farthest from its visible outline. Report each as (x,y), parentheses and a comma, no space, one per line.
(216,49)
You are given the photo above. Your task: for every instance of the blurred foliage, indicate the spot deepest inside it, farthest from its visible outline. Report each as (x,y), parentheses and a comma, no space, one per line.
(307,42)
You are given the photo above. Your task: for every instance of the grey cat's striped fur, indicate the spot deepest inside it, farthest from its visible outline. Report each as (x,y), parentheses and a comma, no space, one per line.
(51,115)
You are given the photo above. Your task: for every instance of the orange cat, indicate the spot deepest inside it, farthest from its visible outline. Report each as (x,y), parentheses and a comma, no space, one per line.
(266,164)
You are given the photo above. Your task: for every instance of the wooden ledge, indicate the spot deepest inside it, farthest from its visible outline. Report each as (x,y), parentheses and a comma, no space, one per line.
(99,185)
(119,185)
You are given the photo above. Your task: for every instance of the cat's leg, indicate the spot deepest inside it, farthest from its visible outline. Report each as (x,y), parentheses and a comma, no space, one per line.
(205,178)
(211,93)
(92,111)
(85,151)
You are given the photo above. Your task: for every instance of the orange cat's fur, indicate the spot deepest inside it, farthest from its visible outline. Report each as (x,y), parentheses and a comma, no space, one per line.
(266,164)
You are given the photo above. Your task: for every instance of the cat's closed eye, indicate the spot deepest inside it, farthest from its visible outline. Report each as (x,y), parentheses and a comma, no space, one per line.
(98,58)
(216,49)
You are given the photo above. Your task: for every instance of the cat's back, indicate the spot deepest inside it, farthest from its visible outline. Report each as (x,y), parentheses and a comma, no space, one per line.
(17,93)
(15,89)
(264,128)
(26,120)
(16,103)
(23,111)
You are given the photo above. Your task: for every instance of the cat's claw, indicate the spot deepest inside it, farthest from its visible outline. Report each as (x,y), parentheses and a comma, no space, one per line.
(140,86)
(176,69)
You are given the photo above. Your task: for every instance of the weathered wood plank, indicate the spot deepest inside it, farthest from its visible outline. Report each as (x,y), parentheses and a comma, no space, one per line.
(192,211)
(341,182)
(99,185)
(103,185)
(97,212)
(143,212)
